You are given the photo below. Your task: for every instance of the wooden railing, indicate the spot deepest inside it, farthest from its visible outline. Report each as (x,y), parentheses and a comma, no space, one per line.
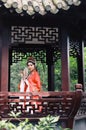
(36,105)
(81,114)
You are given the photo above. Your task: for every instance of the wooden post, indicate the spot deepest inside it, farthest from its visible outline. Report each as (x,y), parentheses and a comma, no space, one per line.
(65,59)
(0,58)
(0,49)
(51,77)
(50,69)
(4,59)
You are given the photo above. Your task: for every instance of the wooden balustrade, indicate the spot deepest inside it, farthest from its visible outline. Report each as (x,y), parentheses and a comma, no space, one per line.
(36,105)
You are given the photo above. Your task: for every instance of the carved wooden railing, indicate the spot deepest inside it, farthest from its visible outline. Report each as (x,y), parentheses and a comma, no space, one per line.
(64,103)
(81,114)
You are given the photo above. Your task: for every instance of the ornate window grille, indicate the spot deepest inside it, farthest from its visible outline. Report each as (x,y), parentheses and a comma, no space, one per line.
(39,42)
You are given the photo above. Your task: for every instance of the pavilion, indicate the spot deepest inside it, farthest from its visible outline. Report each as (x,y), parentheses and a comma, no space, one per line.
(49,30)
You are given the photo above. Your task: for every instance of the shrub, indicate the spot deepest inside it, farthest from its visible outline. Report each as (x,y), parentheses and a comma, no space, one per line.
(45,123)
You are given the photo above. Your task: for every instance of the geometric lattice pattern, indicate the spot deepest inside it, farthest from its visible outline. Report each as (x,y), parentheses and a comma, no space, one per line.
(33,35)
(74,48)
(40,104)
(25,35)
(39,55)
(19,54)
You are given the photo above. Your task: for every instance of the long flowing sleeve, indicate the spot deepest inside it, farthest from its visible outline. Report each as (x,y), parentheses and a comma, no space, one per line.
(38,81)
(34,81)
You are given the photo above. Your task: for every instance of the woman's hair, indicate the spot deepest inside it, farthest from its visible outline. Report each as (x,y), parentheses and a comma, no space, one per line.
(32,60)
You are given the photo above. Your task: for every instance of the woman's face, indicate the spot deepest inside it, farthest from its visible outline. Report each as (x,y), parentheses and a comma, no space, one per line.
(31,66)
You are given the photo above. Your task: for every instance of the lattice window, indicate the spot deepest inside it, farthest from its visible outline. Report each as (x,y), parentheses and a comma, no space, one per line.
(74,48)
(18,55)
(35,35)
(75,51)
(24,35)
(39,42)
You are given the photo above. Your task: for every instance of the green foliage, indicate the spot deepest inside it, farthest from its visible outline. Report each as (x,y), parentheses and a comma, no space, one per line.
(46,123)
(14,115)
(64,128)
(73,73)
(15,69)
(15,74)
(4,124)
(57,71)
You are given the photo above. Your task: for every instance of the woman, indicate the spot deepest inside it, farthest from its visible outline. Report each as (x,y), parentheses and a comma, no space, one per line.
(33,78)
(31,82)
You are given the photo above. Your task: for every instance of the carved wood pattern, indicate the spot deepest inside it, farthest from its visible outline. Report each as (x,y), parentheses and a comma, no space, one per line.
(82,110)
(22,37)
(74,47)
(28,35)
(53,103)
(38,53)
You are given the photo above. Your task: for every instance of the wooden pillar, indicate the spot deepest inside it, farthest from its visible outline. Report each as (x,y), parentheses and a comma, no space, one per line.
(0,58)
(80,64)
(50,77)
(50,69)
(65,59)
(0,49)
(4,59)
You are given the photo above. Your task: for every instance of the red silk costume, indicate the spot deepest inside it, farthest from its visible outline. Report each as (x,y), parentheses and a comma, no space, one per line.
(33,84)
(34,81)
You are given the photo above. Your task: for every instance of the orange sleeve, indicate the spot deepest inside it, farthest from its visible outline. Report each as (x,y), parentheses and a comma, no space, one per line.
(38,81)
